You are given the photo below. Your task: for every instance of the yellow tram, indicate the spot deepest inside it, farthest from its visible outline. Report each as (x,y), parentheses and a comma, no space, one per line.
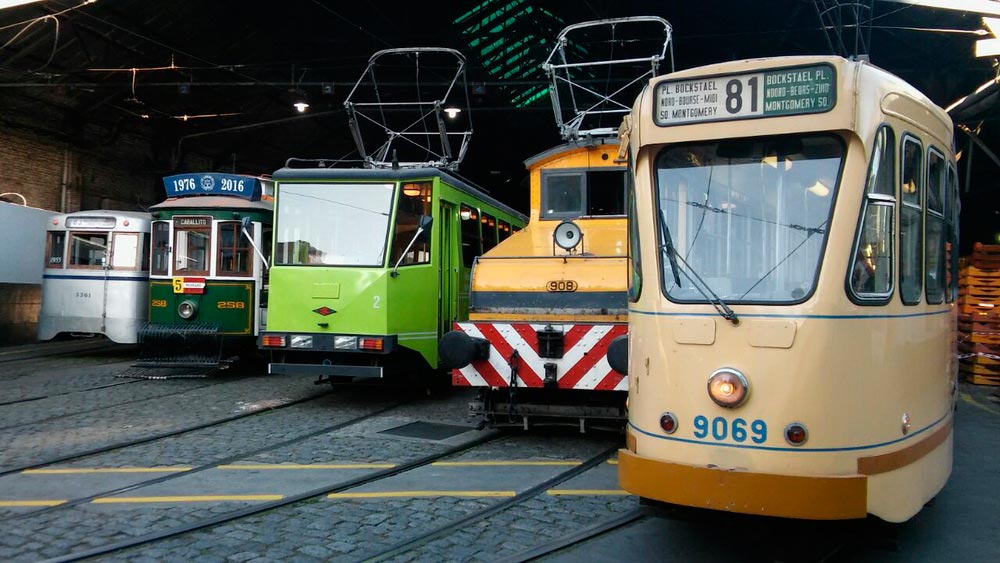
(791,320)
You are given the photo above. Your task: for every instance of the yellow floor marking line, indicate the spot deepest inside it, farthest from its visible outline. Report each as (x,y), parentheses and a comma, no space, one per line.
(612,462)
(584,492)
(85,470)
(408,494)
(201,498)
(10,503)
(968,399)
(310,466)
(500,463)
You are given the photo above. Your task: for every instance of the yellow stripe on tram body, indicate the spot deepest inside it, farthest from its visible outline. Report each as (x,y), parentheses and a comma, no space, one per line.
(309,466)
(410,494)
(86,470)
(193,498)
(16,503)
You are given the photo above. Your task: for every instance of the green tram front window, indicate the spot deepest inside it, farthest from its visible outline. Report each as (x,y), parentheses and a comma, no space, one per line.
(332,224)
(749,216)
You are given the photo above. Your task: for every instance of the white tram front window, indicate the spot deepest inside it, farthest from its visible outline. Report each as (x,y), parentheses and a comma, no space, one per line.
(748,216)
(125,251)
(192,244)
(55,249)
(332,224)
(87,250)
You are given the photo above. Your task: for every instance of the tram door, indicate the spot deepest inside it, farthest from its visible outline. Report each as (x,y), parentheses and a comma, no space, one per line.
(448,292)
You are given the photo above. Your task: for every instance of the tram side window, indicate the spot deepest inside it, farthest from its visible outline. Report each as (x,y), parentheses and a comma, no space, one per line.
(125,251)
(192,241)
(414,201)
(87,250)
(910,228)
(161,248)
(935,227)
(951,251)
(235,258)
(55,249)
(594,193)
(872,262)
(471,245)
(503,230)
(489,228)
(634,263)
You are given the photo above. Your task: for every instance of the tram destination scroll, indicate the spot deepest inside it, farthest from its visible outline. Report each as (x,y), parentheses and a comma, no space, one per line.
(770,93)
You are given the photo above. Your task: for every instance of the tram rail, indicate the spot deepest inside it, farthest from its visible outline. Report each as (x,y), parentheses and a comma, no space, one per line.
(215,463)
(264,507)
(155,437)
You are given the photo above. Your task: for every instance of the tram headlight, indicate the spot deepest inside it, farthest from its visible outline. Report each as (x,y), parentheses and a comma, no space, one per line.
(728,388)
(187,309)
(345,342)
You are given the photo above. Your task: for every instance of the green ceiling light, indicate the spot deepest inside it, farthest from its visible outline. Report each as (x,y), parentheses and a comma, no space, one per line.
(508,36)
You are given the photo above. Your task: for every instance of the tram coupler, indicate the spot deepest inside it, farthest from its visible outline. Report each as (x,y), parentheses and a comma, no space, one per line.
(550,380)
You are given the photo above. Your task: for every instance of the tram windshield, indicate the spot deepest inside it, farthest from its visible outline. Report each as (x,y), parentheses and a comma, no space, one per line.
(749,216)
(332,224)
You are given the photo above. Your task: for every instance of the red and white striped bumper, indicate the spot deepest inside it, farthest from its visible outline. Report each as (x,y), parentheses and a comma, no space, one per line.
(584,364)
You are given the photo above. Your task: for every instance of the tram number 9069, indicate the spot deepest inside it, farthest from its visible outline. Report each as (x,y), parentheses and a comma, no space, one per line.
(738,429)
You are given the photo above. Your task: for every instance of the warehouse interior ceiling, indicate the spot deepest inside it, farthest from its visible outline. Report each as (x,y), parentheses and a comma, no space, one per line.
(219,78)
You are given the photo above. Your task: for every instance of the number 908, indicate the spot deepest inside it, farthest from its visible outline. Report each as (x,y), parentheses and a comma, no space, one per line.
(738,430)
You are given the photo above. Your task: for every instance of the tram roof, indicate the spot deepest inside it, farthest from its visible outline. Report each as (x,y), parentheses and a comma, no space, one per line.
(138,215)
(212,202)
(401,174)
(571,145)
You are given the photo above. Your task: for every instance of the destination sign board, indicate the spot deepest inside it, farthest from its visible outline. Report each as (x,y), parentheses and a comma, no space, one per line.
(196,184)
(768,93)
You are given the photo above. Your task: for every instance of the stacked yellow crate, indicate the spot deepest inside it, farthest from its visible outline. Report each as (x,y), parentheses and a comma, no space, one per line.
(979,315)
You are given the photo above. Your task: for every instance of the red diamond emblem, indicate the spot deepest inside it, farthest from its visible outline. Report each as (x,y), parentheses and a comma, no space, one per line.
(324,311)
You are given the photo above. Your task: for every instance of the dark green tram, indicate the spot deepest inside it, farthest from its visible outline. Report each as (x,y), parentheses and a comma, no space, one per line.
(210,247)
(372,266)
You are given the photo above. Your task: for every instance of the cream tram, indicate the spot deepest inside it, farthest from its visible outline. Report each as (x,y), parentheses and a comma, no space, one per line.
(791,323)
(96,276)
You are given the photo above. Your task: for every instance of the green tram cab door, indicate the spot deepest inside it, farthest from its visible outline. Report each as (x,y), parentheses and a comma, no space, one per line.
(447,243)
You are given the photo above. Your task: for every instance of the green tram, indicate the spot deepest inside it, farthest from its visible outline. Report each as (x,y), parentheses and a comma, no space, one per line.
(210,242)
(372,266)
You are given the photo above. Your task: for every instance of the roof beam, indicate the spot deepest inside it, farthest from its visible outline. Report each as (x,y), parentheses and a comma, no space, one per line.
(989,7)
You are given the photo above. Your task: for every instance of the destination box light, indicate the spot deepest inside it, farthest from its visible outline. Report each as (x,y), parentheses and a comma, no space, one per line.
(774,92)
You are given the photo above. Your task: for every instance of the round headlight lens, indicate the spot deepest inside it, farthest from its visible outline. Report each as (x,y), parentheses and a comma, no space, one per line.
(187,309)
(728,388)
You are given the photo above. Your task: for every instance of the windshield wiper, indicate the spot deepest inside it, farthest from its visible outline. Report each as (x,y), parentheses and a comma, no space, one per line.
(706,290)
(810,231)
(669,250)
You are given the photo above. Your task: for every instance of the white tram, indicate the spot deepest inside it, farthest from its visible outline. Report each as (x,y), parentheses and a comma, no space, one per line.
(96,277)
(791,320)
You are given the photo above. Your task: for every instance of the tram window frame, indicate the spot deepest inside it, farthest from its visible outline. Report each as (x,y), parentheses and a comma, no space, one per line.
(160,252)
(879,196)
(634,290)
(51,246)
(236,249)
(934,285)
(206,231)
(471,237)
(951,229)
(489,233)
(585,192)
(411,206)
(911,208)
(101,262)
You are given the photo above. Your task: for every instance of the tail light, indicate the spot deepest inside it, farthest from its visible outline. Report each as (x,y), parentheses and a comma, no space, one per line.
(373,344)
(273,341)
